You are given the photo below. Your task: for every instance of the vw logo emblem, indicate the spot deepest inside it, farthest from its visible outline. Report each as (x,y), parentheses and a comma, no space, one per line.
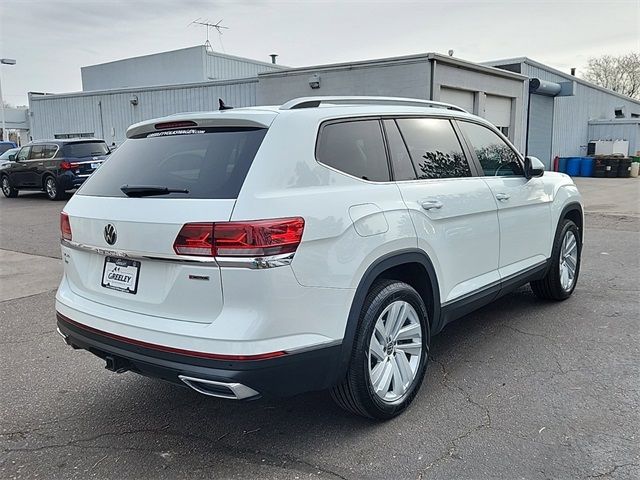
(110,234)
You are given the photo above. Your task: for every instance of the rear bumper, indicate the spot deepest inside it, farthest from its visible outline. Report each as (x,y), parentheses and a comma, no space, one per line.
(70,181)
(287,375)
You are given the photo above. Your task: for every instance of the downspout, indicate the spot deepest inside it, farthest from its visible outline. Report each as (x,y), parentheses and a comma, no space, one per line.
(433,78)
(526,139)
(101,119)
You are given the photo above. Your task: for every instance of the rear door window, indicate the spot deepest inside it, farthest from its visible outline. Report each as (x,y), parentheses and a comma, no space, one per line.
(356,148)
(85,149)
(207,162)
(434,148)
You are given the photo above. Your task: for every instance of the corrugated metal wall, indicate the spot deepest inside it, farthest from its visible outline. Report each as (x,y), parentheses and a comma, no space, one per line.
(617,130)
(108,114)
(218,67)
(572,113)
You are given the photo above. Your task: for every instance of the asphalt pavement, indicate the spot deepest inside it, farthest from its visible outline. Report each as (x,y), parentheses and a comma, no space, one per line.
(520,389)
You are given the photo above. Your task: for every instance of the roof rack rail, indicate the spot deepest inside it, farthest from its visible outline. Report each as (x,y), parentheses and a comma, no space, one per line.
(312,102)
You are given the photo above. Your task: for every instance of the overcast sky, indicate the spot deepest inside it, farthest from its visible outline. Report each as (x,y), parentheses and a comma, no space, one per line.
(52,39)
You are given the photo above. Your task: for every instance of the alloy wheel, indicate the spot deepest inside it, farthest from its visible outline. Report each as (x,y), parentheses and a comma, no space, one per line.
(395,351)
(52,191)
(568,260)
(6,188)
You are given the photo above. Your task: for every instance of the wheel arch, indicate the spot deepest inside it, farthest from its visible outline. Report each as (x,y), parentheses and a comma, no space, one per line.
(573,211)
(408,265)
(44,179)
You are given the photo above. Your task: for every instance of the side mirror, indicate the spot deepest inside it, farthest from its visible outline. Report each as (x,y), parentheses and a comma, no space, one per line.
(533,167)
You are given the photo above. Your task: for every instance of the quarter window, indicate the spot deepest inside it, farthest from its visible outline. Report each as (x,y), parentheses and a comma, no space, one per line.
(356,148)
(495,156)
(50,151)
(434,148)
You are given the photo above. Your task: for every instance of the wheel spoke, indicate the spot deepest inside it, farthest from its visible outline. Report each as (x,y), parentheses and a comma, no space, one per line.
(384,380)
(409,332)
(571,263)
(413,348)
(376,349)
(404,368)
(398,320)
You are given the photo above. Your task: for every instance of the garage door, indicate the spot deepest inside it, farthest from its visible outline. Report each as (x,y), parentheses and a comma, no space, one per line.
(498,111)
(460,98)
(541,128)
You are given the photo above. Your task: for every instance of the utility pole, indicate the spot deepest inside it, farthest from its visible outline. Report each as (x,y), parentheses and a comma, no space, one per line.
(4,61)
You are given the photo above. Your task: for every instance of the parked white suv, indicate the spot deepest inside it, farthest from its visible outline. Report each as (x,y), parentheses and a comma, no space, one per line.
(321,244)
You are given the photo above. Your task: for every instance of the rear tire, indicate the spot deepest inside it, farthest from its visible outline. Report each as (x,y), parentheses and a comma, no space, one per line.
(52,188)
(390,353)
(7,187)
(562,276)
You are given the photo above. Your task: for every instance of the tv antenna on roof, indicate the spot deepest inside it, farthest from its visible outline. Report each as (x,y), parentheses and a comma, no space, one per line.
(218,26)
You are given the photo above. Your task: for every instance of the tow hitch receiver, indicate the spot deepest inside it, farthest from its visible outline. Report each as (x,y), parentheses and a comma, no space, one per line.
(115,364)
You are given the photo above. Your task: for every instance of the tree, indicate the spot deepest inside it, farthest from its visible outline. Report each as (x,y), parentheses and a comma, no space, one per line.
(620,73)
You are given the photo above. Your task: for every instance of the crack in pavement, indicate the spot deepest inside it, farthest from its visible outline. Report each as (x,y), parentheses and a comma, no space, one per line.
(258,457)
(610,472)
(452,451)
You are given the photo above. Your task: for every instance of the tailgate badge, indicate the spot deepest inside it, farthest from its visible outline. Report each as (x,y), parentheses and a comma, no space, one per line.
(110,234)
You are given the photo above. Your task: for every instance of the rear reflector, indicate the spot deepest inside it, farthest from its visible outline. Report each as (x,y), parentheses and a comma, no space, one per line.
(65,226)
(256,238)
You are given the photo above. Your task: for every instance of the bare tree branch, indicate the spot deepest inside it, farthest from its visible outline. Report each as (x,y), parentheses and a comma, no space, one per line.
(620,73)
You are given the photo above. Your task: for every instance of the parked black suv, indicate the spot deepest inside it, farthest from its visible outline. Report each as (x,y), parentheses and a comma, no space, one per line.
(53,166)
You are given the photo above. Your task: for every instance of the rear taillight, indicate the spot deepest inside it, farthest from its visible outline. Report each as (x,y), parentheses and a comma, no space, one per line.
(65,226)
(68,165)
(256,238)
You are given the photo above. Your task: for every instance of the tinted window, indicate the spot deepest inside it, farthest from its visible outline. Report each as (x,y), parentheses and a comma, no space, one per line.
(85,149)
(494,155)
(50,151)
(5,146)
(434,148)
(208,162)
(37,152)
(355,148)
(23,154)
(400,160)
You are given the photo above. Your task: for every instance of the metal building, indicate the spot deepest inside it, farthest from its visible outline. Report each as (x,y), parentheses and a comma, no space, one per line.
(543,111)
(559,118)
(186,65)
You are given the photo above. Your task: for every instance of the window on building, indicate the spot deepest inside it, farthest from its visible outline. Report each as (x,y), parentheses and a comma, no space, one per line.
(400,159)
(64,136)
(434,148)
(495,156)
(356,148)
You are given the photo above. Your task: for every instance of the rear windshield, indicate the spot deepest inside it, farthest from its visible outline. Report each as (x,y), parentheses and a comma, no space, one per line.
(85,149)
(207,162)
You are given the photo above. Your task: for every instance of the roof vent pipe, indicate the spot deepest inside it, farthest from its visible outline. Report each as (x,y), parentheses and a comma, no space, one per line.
(273,57)
(573,71)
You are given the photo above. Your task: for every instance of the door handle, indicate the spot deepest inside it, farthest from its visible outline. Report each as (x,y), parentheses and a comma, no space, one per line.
(431,204)
(503,197)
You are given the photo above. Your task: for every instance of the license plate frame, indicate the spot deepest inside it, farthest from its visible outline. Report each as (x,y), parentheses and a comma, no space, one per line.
(128,269)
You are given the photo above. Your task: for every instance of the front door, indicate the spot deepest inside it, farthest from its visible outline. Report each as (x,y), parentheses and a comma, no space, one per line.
(453,212)
(524,206)
(19,170)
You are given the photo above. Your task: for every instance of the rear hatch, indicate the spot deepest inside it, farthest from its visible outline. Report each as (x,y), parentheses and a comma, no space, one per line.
(121,252)
(86,156)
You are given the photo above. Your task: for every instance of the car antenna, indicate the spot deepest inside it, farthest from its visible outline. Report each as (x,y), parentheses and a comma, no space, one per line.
(223,106)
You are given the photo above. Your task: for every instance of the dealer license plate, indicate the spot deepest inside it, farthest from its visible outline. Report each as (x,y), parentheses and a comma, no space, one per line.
(121,274)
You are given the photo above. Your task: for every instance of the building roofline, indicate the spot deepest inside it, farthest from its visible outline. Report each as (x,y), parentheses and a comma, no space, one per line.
(200,47)
(113,91)
(555,71)
(398,60)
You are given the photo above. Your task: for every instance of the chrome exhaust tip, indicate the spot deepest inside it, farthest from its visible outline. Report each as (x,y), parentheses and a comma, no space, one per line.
(233,391)
(64,337)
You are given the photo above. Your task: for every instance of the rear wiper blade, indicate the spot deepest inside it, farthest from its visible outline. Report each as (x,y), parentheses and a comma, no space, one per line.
(149,190)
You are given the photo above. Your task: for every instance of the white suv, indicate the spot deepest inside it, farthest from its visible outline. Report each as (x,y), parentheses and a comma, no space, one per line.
(321,244)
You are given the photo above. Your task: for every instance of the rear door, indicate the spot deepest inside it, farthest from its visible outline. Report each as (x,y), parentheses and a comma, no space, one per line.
(453,211)
(121,252)
(524,206)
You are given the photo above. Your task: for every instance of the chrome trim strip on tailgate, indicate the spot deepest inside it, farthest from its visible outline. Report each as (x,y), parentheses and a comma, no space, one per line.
(253,263)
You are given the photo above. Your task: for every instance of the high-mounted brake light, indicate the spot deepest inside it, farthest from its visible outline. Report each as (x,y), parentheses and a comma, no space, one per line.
(170,125)
(65,226)
(257,238)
